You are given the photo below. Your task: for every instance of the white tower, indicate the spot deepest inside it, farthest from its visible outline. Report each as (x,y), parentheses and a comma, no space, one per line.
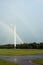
(15,36)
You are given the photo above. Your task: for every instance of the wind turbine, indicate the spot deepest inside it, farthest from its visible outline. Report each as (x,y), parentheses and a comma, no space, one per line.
(13,29)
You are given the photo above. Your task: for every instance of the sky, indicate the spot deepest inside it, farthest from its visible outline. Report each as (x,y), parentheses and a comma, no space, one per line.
(27,15)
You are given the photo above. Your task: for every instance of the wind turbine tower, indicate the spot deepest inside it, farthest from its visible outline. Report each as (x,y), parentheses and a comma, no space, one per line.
(15,36)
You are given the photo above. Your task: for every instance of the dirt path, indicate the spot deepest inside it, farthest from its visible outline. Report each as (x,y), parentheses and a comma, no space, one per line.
(23,60)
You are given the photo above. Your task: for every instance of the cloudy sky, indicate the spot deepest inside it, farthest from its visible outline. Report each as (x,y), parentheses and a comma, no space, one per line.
(28,17)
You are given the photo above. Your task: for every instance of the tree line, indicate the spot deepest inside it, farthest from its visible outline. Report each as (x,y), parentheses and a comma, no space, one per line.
(33,45)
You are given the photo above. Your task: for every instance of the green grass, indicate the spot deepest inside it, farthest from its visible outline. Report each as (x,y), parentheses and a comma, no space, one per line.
(4,62)
(19,52)
(38,61)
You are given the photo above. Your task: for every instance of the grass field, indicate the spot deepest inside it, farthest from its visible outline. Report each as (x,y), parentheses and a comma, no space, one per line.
(38,61)
(19,52)
(4,62)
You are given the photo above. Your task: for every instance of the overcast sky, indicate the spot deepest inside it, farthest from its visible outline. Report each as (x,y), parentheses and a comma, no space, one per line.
(28,17)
